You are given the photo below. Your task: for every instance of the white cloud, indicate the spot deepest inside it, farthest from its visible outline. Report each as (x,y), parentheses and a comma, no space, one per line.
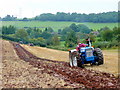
(30,8)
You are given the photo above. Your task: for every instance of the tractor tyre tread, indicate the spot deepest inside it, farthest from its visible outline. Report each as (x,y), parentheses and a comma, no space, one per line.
(99,54)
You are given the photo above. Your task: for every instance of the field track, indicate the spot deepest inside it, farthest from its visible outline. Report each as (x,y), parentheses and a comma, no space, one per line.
(75,76)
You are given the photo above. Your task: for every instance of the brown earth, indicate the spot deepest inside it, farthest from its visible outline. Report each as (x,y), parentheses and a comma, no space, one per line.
(110,58)
(0,64)
(17,73)
(23,69)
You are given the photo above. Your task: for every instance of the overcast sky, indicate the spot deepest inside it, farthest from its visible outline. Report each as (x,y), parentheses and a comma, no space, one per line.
(31,8)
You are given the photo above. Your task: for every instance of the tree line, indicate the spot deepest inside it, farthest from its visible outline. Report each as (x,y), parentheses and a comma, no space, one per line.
(105,17)
(103,38)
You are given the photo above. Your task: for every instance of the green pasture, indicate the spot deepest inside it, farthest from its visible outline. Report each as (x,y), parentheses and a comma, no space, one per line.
(55,25)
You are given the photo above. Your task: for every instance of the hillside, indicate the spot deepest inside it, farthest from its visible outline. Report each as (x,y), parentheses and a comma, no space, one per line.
(55,25)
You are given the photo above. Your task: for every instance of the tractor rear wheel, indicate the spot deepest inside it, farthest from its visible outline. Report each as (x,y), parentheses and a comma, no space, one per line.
(99,56)
(74,59)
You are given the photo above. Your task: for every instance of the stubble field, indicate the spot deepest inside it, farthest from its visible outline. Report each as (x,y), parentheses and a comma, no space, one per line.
(35,67)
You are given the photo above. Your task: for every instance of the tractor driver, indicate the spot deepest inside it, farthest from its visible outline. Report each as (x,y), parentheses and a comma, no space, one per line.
(79,46)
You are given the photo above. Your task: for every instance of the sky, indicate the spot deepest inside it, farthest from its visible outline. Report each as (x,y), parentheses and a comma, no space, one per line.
(32,8)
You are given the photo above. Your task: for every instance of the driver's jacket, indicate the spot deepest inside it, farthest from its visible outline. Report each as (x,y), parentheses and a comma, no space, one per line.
(80,45)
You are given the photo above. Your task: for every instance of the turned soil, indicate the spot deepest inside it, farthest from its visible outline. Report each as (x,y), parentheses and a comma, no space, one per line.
(36,67)
(17,73)
(110,58)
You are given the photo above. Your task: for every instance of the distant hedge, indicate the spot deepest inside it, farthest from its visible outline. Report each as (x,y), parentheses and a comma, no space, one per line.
(104,44)
(6,37)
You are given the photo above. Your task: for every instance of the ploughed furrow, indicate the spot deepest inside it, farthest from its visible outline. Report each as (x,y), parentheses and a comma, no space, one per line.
(73,75)
(22,55)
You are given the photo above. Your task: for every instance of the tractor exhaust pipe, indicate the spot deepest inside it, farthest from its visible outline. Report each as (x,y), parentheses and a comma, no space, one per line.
(89,42)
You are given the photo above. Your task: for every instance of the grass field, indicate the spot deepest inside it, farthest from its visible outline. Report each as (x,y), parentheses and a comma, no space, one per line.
(54,25)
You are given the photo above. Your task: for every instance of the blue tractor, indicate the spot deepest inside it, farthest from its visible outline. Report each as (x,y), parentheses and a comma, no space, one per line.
(86,55)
